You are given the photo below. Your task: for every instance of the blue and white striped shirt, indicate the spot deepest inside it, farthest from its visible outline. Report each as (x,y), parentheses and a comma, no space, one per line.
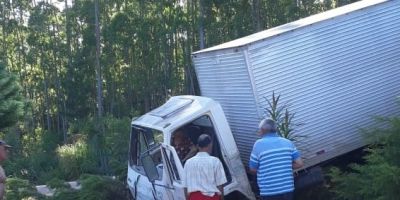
(272,157)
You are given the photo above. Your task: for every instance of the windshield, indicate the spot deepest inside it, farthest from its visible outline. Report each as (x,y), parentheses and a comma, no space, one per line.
(143,139)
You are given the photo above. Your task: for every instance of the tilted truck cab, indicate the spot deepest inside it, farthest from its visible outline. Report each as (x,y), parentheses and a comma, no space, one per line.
(155,170)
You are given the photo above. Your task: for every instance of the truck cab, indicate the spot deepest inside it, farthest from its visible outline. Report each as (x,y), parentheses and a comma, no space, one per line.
(156,163)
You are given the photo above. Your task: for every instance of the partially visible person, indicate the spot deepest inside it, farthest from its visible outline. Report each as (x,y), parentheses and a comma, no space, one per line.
(273,159)
(203,174)
(183,145)
(3,156)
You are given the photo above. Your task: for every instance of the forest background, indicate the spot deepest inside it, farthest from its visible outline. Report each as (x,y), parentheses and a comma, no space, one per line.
(80,70)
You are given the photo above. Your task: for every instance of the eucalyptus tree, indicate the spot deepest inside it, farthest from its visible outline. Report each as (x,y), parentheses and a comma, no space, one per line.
(46,59)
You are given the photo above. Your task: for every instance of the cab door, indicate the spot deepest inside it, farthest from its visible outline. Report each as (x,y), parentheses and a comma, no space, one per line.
(165,177)
(175,171)
(157,175)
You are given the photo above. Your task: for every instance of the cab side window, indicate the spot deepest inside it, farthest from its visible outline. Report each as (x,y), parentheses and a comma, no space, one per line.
(142,141)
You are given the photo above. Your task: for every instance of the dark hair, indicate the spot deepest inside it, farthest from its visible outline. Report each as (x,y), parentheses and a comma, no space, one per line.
(204,140)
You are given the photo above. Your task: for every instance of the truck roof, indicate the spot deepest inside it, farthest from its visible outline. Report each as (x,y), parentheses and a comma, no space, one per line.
(331,14)
(176,109)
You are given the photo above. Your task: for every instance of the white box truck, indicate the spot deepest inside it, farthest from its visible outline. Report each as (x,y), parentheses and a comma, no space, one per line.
(337,69)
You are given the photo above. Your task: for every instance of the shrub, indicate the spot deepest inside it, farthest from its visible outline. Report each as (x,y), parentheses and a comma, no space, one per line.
(56,183)
(75,159)
(102,188)
(65,194)
(117,143)
(17,189)
(108,151)
(32,156)
(379,177)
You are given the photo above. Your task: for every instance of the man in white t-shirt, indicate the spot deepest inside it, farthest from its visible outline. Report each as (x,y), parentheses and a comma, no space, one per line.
(3,156)
(204,175)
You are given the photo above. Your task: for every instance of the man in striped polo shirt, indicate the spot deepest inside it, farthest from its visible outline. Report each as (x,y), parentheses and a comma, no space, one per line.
(273,159)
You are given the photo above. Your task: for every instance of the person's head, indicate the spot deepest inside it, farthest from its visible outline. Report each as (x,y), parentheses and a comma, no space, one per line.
(204,143)
(3,150)
(267,126)
(179,138)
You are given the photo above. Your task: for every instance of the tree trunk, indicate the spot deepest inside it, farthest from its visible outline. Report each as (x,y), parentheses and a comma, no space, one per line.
(46,98)
(97,62)
(69,68)
(201,25)
(256,15)
(101,139)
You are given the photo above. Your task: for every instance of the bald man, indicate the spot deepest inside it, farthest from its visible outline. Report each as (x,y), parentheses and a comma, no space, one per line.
(273,159)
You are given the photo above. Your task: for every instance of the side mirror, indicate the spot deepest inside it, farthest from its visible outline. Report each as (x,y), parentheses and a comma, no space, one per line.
(149,167)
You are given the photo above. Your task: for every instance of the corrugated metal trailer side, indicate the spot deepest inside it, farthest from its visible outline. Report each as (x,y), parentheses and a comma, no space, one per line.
(336,75)
(336,69)
(225,78)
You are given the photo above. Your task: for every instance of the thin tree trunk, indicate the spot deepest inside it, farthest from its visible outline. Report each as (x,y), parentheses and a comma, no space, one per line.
(100,140)
(21,40)
(201,25)
(46,99)
(189,44)
(97,62)
(57,65)
(69,68)
(256,15)
(4,41)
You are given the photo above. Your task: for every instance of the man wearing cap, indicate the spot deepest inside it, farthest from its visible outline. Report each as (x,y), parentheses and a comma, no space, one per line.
(3,156)
(273,159)
(204,175)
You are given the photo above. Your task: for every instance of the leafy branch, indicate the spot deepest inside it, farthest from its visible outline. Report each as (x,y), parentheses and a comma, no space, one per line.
(283,117)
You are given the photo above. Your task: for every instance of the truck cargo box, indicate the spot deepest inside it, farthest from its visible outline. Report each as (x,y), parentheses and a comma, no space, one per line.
(336,69)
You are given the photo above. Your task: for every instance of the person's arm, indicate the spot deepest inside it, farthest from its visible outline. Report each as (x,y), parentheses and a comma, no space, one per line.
(298,163)
(184,182)
(254,162)
(253,171)
(186,193)
(220,178)
(221,189)
(2,175)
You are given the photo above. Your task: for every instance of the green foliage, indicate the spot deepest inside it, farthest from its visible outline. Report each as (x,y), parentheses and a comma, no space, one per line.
(10,100)
(39,157)
(75,159)
(379,177)
(81,156)
(283,117)
(33,156)
(18,189)
(94,188)
(65,194)
(101,188)
(117,144)
(56,183)
(146,50)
